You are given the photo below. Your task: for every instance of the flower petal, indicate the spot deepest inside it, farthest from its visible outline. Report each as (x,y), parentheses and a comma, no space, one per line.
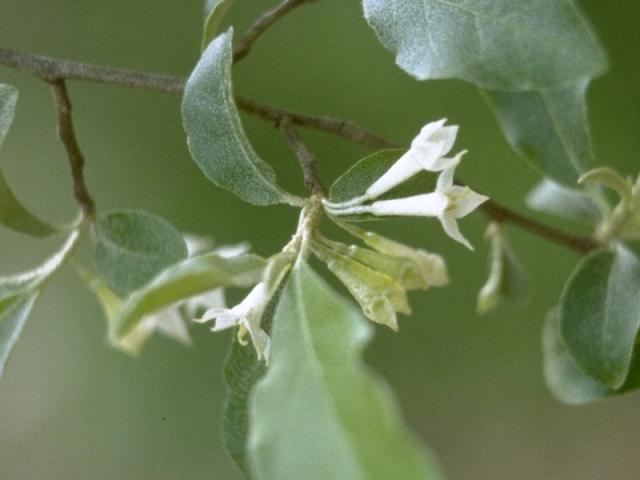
(225,320)
(450,226)
(211,299)
(234,250)
(197,244)
(435,140)
(427,132)
(466,201)
(170,323)
(211,314)
(425,205)
(404,168)
(445,179)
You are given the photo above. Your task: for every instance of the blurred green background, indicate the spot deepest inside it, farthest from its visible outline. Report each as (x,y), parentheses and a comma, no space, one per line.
(471,387)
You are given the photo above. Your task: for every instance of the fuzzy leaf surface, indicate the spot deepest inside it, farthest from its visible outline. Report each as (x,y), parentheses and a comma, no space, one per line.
(548,128)
(496,44)
(215,135)
(133,246)
(566,381)
(185,279)
(318,412)
(600,314)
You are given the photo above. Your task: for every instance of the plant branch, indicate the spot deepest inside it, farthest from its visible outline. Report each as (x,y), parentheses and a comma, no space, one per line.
(501,214)
(264,23)
(306,158)
(334,126)
(50,69)
(68,137)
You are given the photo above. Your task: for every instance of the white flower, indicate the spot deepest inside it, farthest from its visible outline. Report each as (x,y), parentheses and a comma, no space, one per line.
(426,153)
(448,203)
(247,315)
(170,320)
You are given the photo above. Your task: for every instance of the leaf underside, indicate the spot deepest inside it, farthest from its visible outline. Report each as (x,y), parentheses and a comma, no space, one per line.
(600,314)
(548,128)
(215,135)
(496,44)
(133,246)
(318,412)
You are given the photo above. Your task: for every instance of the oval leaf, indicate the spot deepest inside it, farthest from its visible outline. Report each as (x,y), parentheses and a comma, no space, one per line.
(566,381)
(600,314)
(186,279)
(564,378)
(215,135)
(549,129)
(355,181)
(132,247)
(318,413)
(563,202)
(497,44)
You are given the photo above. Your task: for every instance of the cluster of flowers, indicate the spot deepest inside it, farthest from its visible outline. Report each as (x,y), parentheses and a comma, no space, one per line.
(378,274)
(448,202)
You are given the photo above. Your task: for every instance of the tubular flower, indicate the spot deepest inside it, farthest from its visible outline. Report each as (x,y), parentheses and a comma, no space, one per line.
(448,203)
(171,320)
(247,315)
(427,152)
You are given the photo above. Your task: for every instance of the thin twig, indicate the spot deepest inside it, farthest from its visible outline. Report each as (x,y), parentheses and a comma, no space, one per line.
(266,21)
(340,128)
(306,158)
(50,69)
(68,137)
(501,214)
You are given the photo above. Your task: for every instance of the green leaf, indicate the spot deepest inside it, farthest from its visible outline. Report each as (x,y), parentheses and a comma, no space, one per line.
(186,279)
(215,135)
(13,315)
(8,100)
(133,246)
(566,381)
(19,292)
(600,314)
(496,44)
(355,181)
(243,368)
(318,412)
(569,203)
(507,278)
(14,216)
(29,281)
(215,10)
(242,371)
(610,178)
(564,378)
(547,128)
